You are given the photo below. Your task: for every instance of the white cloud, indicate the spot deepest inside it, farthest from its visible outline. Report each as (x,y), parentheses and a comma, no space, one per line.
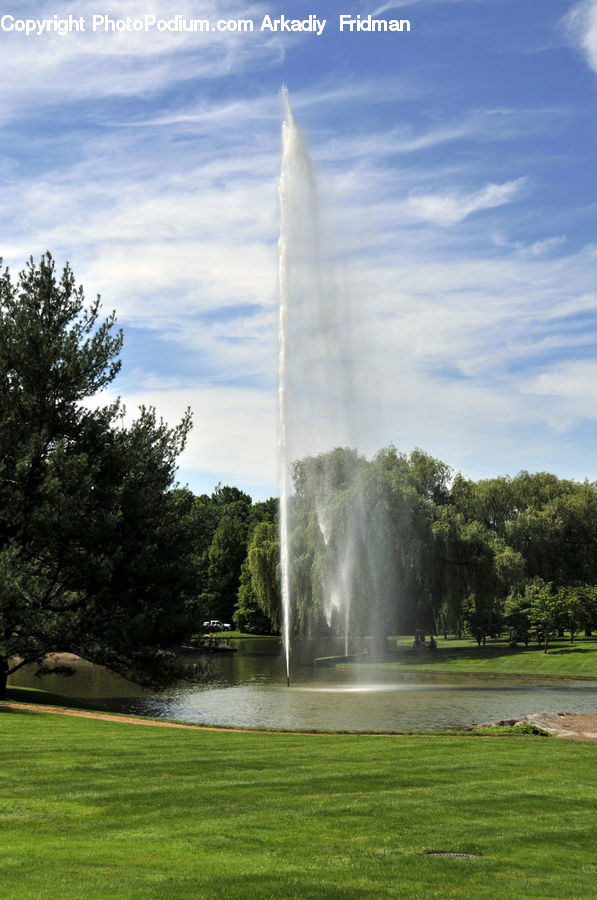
(540,248)
(573,380)
(581,23)
(233,439)
(568,391)
(453,207)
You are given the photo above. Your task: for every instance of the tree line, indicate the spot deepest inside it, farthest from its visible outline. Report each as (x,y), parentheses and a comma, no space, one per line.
(103,554)
(436,551)
(430,550)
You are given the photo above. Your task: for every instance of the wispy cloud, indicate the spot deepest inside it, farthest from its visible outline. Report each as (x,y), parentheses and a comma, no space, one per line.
(173,219)
(581,23)
(542,247)
(450,208)
(400,4)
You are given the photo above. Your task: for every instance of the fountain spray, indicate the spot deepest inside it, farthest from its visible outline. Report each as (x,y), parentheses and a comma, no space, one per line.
(283,463)
(321,415)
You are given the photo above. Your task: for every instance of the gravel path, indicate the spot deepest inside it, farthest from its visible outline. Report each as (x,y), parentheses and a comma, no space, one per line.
(108,717)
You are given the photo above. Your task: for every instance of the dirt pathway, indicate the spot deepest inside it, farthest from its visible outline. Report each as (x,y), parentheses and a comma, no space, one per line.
(108,717)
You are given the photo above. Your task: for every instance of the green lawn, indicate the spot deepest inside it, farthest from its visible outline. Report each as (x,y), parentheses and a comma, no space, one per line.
(564,659)
(92,809)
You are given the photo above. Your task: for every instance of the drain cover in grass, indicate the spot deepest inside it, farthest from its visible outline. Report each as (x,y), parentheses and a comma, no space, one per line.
(447,854)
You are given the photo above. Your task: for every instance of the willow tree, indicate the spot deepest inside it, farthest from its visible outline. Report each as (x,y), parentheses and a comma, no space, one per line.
(263,565)
(95,549)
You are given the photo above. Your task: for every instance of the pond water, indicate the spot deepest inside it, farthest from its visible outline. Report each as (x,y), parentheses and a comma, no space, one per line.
(248,688)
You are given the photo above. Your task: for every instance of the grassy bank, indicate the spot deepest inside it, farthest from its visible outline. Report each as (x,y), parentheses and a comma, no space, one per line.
(37,695)
(103,810)
(563,659)
(239,635)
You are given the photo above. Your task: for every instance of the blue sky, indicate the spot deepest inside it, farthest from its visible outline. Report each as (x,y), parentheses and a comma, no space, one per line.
(456,166)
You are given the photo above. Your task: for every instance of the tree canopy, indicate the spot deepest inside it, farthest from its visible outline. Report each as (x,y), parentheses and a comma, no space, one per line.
(422,548)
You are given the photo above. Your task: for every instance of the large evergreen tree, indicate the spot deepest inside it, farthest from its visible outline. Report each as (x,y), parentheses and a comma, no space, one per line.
(95,546)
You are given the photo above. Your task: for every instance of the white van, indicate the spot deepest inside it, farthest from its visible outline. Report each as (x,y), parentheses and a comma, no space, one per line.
(216,625)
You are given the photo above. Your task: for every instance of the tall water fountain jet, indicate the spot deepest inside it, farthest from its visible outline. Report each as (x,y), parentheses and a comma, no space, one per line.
(330,560)
(289,136)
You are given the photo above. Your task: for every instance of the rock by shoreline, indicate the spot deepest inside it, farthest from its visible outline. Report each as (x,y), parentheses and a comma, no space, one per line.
(578,726)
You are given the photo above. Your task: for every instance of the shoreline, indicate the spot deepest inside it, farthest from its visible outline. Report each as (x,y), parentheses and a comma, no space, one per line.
(568,725)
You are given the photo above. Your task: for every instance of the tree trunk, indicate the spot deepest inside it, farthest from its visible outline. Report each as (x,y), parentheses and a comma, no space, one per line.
(3,677)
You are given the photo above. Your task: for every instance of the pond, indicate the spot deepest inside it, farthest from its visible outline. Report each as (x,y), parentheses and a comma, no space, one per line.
(248,688)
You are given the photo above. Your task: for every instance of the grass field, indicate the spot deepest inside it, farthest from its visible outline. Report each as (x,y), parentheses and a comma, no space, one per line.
(93,809)
(563,659)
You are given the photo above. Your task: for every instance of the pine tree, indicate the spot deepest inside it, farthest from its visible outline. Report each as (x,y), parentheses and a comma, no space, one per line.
(95,548)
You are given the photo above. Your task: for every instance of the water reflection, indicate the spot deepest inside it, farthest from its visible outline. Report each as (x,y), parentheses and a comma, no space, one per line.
(248,689)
